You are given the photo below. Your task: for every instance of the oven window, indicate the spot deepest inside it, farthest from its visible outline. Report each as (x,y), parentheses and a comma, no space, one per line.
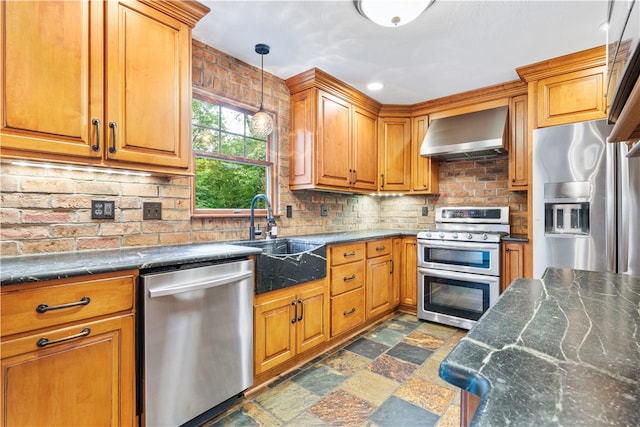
(466,257)
(458,298)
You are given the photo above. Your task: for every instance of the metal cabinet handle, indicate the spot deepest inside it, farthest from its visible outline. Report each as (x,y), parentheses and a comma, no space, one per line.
(301,303)
(113,127)
(380,248)
(346,313)
(507,249)
(355,176)
(43,308)
(96,123)
(43,342)
(382,180)
(346,279)
(392,266)
(348,255)
(295,312)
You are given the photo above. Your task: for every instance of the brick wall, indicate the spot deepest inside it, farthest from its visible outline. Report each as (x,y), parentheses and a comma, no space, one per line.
(48,210)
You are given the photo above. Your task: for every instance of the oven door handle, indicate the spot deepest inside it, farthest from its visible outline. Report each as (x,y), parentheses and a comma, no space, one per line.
(439,244)
(457,275)
(195,286)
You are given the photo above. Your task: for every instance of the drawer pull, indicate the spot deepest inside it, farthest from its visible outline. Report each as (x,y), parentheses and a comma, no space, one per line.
(43,342)
(346,313)
(351,254)
(346,279)
(295,312)
(96,123)
(301,304)
(43,308)
(380,248)
(113,127)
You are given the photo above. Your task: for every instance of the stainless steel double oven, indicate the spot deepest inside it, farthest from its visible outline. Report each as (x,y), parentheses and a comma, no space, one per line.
(459,264)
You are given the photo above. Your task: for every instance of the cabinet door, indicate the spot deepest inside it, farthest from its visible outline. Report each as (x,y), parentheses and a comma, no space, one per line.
(301,158)
(518,145)
(312,318)
(274,340)
(572,97)
(396,262)
(512,263)
(409,273)
(52,77)
(424,170)
(148,86)
(88,380)
(333,149)
(395,154)
(379,285)
(364,160)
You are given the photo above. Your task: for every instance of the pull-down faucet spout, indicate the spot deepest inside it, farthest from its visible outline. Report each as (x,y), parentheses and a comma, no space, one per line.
(271,222)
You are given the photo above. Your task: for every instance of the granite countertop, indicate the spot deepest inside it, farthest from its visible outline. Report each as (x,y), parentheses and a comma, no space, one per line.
(516,238)
(34,268)
(564,350)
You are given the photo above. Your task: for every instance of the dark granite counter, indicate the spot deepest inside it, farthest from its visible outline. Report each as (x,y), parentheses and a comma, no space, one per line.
(33,268)
(564,350)
(516,238)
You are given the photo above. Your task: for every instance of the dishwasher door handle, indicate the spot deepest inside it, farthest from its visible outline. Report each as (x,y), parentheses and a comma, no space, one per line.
(188,287)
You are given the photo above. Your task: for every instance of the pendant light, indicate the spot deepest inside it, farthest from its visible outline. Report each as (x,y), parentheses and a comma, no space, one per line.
(261,122)
(392,13)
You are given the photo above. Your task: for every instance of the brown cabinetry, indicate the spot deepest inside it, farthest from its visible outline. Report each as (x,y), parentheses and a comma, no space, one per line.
(424,170)
(68,352)
(379,281)
(394,145)
(288,322)
(109,84)
(333,139)
(518,144)
(512,263)
(408,274)
(347,279)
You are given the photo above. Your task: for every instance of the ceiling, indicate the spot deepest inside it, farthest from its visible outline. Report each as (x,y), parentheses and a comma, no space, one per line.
(453,47)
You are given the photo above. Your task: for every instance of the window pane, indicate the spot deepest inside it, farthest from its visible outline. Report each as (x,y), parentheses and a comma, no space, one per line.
(222,185)
(205,139)
(256,149)
(232,145)
(205,114)
(232,121)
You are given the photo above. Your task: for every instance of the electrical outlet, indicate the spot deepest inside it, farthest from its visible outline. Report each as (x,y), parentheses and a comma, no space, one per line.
(425,210)
(102,209)
(289,211)
(324,211)
(151,210)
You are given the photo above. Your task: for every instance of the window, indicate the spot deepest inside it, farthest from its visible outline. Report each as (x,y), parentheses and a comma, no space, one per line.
(231,164)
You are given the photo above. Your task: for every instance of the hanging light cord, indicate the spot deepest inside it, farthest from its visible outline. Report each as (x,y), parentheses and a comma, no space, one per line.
(262,81)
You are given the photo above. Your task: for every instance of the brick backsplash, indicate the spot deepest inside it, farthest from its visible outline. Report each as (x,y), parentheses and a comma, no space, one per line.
(48,210)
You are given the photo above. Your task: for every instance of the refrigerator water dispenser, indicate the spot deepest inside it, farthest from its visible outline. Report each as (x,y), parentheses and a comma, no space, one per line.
(566,218)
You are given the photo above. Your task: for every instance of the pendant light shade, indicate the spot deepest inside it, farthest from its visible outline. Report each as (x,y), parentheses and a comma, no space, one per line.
(261,122)
(392,13)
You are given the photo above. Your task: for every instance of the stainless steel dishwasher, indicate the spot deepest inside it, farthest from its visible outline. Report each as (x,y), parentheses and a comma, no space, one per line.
(197,346)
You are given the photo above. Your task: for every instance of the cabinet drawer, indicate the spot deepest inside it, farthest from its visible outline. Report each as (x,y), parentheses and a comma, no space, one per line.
(379,248)
(347,311)
(34,308)
(347,253)
(347,277)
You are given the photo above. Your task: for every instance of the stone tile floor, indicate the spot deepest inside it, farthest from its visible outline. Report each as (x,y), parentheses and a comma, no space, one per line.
(387,376)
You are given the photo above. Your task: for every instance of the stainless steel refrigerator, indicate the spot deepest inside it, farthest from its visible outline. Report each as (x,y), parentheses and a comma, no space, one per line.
(586,200)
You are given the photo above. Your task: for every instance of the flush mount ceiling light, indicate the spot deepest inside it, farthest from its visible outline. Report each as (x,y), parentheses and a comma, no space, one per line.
(392,13)
(261,122)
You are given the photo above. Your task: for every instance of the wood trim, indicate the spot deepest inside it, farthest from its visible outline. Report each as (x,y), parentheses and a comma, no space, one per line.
(585,59)
(188,12)
(468,404)
(627,127)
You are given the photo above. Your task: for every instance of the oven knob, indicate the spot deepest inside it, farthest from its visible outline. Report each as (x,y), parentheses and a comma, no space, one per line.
(484,236)
(441,235)
(455,235)
(428,234)
(469,236)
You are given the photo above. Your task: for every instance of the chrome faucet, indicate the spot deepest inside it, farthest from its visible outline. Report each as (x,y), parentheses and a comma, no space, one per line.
(271,222)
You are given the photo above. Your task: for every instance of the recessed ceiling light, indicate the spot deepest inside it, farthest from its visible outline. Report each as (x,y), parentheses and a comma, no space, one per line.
(375,86)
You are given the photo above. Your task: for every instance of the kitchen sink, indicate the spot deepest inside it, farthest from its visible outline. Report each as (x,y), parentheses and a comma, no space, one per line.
(286,262)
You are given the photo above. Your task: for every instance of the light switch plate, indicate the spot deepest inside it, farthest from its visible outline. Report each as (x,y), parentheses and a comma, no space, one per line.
(151,210)
(324,211)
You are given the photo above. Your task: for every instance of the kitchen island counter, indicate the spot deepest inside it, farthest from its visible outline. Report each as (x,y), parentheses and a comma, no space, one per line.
(564,350)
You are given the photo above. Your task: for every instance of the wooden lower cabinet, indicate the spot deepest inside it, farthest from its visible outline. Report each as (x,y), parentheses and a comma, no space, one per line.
(69,372)
(408,274)
(379,280)
(288,322)
(512,263)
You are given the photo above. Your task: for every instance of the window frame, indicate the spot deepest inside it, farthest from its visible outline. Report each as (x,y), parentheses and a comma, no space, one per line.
(271,163)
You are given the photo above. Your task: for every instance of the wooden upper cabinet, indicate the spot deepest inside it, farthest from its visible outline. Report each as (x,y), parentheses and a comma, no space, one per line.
(424,169)
(70,100)
(518,144)
(333,135)
(52,56)
(394,146)
(567,89)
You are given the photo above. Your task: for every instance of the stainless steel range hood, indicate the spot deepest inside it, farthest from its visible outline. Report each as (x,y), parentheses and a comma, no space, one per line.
(474,134)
